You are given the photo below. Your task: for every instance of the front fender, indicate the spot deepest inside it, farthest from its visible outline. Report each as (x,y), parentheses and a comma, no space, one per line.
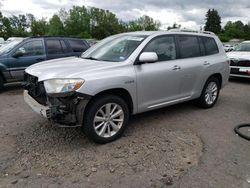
(93,87)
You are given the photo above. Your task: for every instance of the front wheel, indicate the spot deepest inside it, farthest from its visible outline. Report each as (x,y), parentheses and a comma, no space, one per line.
(210,93)
(105,118)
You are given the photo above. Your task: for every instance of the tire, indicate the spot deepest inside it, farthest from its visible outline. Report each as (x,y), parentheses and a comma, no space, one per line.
(1,83)
(208,102)
(98,125)
(237,131)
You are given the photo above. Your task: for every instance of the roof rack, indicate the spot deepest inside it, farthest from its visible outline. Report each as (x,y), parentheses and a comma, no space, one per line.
(58,36)
(191,31)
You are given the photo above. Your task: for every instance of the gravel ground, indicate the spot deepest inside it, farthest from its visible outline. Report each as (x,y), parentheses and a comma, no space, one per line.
(179,146)
(150,154)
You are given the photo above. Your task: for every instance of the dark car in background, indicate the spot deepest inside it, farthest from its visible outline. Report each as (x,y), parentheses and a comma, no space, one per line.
(18,55)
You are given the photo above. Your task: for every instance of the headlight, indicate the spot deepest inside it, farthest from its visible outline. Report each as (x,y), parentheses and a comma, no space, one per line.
(62,85)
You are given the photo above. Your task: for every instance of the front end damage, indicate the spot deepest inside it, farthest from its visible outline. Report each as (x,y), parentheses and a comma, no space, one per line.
(65,110)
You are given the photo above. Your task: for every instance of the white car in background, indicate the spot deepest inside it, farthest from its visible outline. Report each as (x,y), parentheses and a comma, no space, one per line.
(1,41)
(228,47)
(240,60)
(13,39)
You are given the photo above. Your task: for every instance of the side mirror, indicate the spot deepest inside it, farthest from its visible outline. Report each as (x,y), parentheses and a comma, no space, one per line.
(148,57)
(18,54)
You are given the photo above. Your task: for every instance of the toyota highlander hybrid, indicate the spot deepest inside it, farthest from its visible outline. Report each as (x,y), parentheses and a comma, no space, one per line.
(127,74)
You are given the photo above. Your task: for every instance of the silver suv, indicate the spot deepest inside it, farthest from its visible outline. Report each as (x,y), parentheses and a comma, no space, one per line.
(127,74)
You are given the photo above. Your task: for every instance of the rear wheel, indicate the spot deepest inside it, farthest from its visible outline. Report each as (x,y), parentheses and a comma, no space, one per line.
(106,118)
(210,93)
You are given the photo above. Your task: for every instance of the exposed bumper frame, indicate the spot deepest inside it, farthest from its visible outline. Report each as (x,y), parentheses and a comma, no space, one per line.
(44,111)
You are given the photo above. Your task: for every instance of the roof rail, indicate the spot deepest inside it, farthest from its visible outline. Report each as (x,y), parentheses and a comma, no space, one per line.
(191,31)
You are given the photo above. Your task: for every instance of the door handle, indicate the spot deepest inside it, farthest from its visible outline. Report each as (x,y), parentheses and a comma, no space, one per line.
(176,67)
(206,63)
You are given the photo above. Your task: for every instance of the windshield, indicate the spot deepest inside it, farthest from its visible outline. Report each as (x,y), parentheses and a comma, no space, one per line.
(243,47)
(8,47)
(114,49)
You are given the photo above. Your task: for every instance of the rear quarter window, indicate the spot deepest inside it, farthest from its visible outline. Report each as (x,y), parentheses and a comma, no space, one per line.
(54,46)
(210,46)
(78,45)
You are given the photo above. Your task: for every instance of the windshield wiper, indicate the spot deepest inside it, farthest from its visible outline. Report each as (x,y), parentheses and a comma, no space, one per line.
(91,58)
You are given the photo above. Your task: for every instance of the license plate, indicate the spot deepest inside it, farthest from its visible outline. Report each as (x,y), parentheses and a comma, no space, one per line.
(235,70)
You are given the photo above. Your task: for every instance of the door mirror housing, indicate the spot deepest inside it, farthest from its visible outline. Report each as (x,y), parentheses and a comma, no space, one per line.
(148,57)
(18,54)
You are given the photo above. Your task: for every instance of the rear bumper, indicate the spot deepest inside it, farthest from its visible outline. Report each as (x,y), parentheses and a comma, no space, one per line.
(44,111)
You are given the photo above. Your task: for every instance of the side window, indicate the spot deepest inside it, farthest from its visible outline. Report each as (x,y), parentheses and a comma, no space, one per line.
(64,47)
(210,46)
(77,45)
(32,48)
(164,47)
(54,46)
(189,46)
(202,46)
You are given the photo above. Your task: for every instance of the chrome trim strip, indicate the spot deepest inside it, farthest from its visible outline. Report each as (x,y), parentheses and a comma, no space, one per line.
(169,102)
(239,75)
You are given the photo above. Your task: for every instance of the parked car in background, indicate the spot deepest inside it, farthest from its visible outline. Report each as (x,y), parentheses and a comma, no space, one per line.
(91,41)
(1,41)
(10,39)
(19,54)
(127,74)
(240,60)
(228,47)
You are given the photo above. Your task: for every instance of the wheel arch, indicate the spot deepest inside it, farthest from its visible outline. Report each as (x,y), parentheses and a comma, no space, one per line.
(121,92)
(218,76)
(2,76)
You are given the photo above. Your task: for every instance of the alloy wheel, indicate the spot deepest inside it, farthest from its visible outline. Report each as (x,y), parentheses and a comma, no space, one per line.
(211,93)
(108,120)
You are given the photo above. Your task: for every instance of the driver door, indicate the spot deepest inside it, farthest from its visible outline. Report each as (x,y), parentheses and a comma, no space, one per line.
(159,83)
(26,54)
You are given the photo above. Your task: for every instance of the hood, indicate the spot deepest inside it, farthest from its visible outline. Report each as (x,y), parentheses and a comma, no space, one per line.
(70,67)
(238,55)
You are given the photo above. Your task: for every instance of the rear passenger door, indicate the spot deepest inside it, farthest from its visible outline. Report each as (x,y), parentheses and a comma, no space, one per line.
(191,63)
(56,48)
(78,46)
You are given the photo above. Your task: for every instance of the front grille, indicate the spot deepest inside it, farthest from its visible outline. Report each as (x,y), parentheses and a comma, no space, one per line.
(240,63)
(35,89)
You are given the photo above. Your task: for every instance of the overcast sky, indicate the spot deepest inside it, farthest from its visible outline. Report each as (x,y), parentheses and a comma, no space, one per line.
(188,13)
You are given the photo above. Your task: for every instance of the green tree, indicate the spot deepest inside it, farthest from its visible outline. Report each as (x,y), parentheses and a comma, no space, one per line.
(103,23)
(39,27)
(145,23)
(77,22)
(174,26)
(19,25)
(148,24)
(213,21)
(5,27)
(56,26)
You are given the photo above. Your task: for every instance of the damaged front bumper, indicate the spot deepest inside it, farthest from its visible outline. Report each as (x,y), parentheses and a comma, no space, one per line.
(63,111)
(38,108)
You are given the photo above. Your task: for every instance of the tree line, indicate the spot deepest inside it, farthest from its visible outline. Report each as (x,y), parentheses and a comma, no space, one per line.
(79,21)
(231,30)
(91,22)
